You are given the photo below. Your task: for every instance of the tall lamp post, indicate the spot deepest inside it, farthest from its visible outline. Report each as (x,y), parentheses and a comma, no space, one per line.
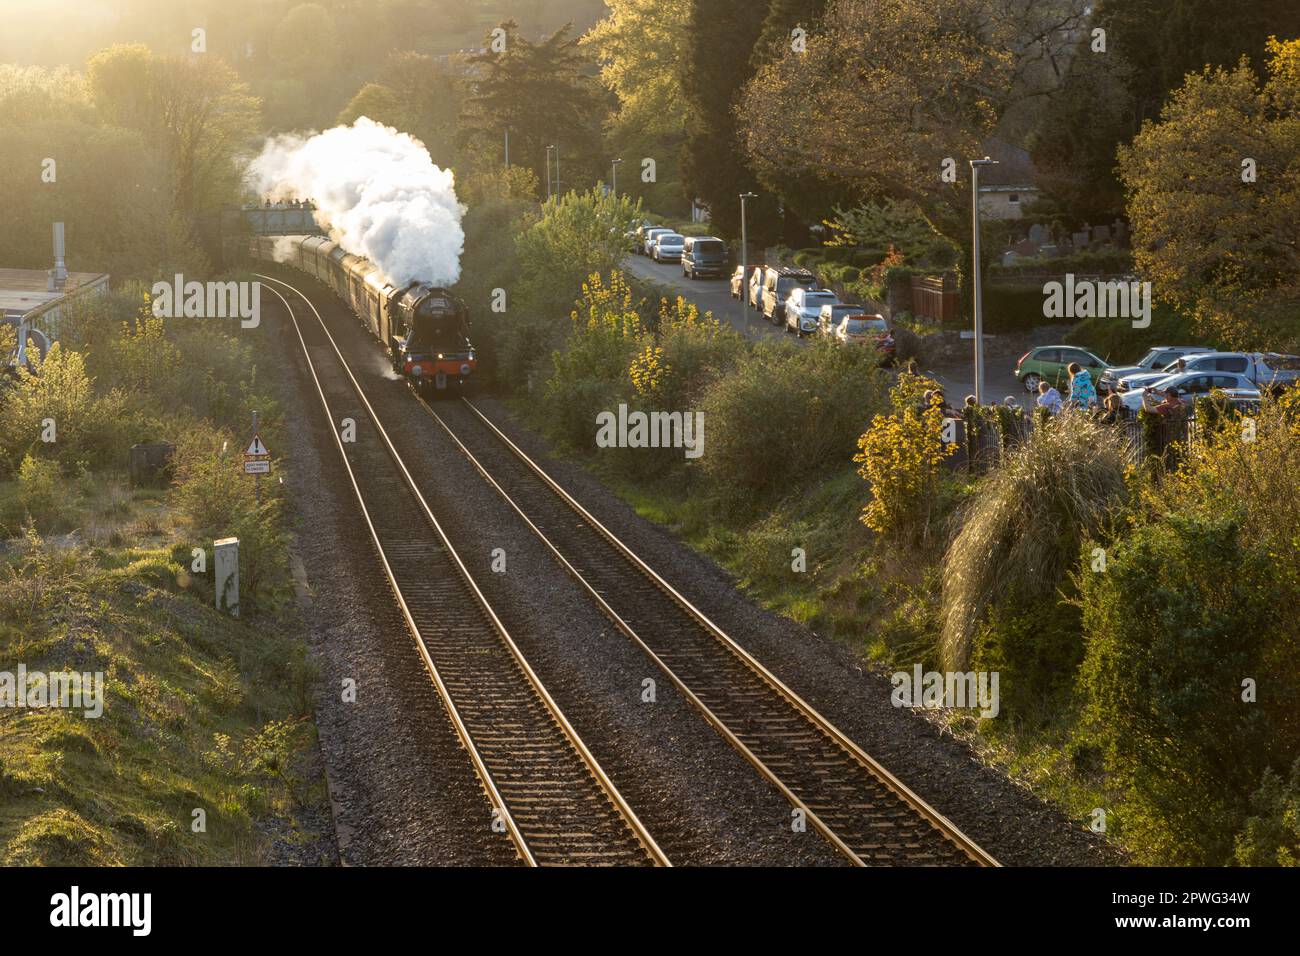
(548,171)
(975,165)
(613,177)
(744,257)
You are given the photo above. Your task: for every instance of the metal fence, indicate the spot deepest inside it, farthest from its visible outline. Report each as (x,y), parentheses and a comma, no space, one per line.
(983,442)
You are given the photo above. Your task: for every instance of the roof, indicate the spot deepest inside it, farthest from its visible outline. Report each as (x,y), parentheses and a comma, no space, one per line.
(1014,168)
(26,291)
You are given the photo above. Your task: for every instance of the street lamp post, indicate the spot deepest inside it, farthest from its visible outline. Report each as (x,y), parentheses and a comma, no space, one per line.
(744,257)
(975,165)
(613,177)
(548,171)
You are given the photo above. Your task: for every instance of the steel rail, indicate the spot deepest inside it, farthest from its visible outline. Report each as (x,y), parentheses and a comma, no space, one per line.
(942,824)
(499,802)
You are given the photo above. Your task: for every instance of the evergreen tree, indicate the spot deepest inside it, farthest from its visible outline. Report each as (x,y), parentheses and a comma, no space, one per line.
(542,93)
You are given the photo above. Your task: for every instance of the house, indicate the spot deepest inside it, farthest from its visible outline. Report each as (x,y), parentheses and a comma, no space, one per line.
(1008,186)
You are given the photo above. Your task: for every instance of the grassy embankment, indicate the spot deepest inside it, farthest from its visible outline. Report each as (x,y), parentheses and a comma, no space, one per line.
(204,753)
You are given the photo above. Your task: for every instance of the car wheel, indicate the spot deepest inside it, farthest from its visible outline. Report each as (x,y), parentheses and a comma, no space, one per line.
(1032,381)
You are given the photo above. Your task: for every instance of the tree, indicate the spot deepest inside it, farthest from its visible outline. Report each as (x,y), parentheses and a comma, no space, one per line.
(540,93)
(1215,202)
(641,47)
(414,96)
(197,109)
(861,112)
(721,39)
(1149,47)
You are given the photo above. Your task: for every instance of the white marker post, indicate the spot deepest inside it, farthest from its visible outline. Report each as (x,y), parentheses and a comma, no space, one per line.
(225,573)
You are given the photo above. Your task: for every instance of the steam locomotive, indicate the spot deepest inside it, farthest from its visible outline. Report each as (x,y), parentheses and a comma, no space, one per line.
(424,329)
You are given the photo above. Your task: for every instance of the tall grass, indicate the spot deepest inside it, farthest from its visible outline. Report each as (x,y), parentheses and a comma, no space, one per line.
(1023,529)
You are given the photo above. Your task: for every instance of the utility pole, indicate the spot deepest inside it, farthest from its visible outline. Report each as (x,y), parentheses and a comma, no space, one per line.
(548,171)
(613,177)
(558,188)
(507,149)
(975,165)
(744,258)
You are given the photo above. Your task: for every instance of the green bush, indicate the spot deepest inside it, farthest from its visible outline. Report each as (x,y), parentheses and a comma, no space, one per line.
(786,415)
(578,234)
(215,499)
(592,373)
(1271,836)
(41,491)
(58,402)
(1187,609)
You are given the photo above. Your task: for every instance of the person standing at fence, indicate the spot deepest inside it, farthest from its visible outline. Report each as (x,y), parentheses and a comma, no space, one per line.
(1083,394)
(1112,410)
(1049,398)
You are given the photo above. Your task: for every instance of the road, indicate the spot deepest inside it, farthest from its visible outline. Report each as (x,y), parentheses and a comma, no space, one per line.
(709,295)
(714,295)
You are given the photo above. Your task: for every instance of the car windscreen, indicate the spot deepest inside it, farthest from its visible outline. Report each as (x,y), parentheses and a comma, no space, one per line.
(818,299)
(859,325)
(670,240)
(712,247)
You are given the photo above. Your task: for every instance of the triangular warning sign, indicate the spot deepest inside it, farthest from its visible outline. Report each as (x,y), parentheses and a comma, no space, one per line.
(256,447)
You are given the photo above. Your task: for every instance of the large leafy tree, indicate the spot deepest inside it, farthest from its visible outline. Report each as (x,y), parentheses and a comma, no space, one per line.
(721,38)
(864,113)
(541,92)
(197,109)
(1149,47)
(641,46)
(1225,249)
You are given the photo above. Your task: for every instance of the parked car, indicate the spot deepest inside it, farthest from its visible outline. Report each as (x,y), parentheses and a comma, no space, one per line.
(803,309)
(1263,369)
(1050,363)
(1154,360)
(742,278)
(1191,385)
(651,235)
(704,256)
(835,313)
(756,281)
(668,247)
(866,329)
(777,285)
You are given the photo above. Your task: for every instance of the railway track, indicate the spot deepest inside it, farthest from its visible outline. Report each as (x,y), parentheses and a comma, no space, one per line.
(865,812)
(547,791)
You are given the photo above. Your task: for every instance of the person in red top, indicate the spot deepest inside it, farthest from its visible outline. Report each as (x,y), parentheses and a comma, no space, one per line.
(1172,406)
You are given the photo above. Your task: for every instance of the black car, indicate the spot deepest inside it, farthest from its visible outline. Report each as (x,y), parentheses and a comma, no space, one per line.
(704,256)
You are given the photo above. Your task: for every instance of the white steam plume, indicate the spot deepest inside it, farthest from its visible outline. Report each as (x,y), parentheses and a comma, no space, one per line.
(378,194)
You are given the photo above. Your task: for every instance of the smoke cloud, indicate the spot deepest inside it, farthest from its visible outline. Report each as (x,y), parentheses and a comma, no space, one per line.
(377,193)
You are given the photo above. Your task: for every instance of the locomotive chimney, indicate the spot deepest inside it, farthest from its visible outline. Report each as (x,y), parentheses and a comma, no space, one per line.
(60,269)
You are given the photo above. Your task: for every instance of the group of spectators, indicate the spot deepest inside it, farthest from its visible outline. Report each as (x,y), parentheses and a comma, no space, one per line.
(1083,395)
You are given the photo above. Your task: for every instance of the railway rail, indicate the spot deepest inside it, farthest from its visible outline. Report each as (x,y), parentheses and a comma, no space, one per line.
(546,789)
(856,804)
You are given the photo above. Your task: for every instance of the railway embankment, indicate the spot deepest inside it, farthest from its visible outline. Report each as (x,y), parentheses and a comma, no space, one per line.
(139,725)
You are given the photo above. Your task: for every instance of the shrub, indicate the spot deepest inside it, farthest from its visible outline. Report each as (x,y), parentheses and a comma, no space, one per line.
(787,414)
(592,373)
(1271,836)
(902,456)
(39,491)
(215,499)
(1187,608)
(87,431)
(1022,531)
(577,235)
